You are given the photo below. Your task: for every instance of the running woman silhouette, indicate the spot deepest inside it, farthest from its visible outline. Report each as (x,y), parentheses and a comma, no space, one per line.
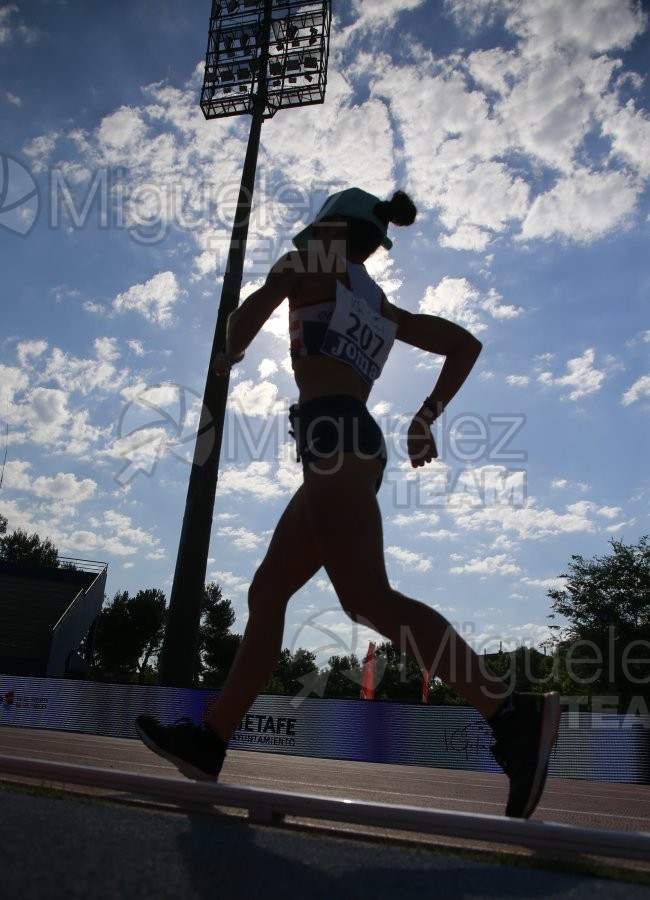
(342,328)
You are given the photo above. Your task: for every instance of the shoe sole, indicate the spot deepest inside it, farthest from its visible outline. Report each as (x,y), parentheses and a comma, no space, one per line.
(547,737)
(183,766)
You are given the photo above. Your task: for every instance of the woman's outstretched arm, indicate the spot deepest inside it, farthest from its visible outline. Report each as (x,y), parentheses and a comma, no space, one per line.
(245,322)
(460,349)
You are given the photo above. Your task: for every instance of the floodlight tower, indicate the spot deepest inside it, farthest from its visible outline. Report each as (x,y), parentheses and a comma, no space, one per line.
(262,56)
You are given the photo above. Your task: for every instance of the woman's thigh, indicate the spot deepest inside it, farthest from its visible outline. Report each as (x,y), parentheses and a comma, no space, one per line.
(346,526)
(292,557)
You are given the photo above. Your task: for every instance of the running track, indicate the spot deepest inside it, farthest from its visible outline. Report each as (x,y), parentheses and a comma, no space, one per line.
(586,804)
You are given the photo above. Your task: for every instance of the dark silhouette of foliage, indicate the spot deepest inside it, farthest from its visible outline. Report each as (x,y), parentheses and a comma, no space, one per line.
(20,547)
(292,672)
(129,635)
(217,646)
(604,649)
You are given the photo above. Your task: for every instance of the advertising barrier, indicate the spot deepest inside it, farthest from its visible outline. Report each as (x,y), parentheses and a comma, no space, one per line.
(602,747)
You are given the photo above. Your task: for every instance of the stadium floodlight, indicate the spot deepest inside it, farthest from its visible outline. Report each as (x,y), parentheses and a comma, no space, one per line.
(262,56)
(266,39)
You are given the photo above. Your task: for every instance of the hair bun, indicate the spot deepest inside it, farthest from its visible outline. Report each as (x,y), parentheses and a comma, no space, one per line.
(401,209)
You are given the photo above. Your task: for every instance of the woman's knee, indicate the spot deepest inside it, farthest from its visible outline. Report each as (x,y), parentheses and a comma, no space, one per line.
(264,598)
(369,608)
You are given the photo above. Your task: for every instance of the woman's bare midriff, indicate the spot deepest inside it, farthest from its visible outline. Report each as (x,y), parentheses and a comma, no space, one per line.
(318,376)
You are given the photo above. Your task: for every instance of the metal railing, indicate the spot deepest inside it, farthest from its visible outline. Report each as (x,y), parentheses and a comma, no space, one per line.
(268,806)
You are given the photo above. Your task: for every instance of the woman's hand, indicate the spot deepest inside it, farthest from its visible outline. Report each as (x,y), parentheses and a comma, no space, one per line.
(420,443)
(222,364)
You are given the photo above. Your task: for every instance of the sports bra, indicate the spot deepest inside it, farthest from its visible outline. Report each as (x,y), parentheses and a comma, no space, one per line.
(351,328)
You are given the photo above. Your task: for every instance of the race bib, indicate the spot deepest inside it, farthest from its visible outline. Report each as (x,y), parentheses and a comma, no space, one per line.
(358,336)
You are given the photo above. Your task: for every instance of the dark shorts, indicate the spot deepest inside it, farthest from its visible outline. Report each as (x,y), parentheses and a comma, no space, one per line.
(327,426)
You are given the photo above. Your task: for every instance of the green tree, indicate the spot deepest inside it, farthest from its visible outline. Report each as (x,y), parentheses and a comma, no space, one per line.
(401,678)
(604,650)
(217,646)
(294,673)
(20,547)
(342,677)
(524,669)
(129,635)
(440,694)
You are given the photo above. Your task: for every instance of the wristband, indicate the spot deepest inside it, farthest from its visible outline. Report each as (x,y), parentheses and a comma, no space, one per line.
(430,410)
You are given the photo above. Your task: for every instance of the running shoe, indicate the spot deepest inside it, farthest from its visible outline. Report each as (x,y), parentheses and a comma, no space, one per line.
(526,730)
(195,750)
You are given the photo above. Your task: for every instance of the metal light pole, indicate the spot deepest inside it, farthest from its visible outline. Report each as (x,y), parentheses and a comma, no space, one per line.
(262,56)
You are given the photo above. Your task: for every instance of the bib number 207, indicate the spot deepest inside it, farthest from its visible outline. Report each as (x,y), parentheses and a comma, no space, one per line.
(369,341)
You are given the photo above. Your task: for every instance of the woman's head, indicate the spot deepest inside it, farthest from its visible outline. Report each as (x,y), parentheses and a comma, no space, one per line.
(364,237)
(361,219)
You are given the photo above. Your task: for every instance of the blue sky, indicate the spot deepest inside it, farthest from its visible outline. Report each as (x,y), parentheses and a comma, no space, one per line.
(520,129)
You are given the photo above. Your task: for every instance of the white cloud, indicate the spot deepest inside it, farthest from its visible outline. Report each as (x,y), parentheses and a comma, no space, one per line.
(582,377)
(136,347)
(580,486)
(256,479)
(28,350)
(251,398)
(228,581)
(499,310)
(73,373)
(582,206)
(5,14)
(64,487)
(474,14)
(494,69)
(539,100)
(242,538)
(416,517)
(453,298)
(12,381)
(466,237)
(482,196)
(376,13)
(267,367)
(610,512)
(139,451)
(154,299)
(10,29)
(38,150)
(448,137)
(83,541)
(460,118)
(278,323)
(548,584)
(116,534)
(458,299)
(330,153)
(629,130)
(41,397)
(518,380)
(528,634)
(528,522)
(121,133)
(639,390)
(552,103)
(409,560)
(487,565)
(47,414)
(381,267)
(589,26)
